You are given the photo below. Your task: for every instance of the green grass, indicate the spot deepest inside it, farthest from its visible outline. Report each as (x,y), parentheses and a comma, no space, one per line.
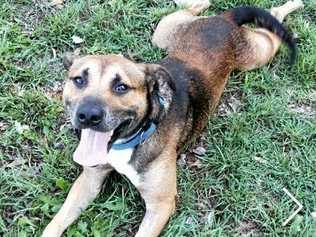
(252,153)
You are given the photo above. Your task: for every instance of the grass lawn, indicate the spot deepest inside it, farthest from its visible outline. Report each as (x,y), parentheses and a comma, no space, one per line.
(262,139)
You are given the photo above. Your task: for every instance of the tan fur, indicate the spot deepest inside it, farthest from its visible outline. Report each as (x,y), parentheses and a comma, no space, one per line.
(102,70)
(159,192)
(164,35)
(265,44)
(158,185)
(159,189)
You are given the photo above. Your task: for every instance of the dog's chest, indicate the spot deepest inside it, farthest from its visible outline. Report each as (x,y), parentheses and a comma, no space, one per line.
(119,160)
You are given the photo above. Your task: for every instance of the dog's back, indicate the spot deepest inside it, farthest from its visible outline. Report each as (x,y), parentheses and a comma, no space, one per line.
(135,117)
(206,50)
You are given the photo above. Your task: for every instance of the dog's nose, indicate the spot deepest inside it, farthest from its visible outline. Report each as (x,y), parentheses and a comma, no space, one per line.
(89,115)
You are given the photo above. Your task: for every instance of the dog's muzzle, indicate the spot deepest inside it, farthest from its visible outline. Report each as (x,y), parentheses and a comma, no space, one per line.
(89,115)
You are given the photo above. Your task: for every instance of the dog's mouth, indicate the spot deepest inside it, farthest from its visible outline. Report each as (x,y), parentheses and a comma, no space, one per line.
(93,147)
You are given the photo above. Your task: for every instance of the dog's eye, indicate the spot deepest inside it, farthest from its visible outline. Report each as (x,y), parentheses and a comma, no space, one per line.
(79,81)
(121,88)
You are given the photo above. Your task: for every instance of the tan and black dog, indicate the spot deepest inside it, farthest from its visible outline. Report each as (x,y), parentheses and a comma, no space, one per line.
(135,118)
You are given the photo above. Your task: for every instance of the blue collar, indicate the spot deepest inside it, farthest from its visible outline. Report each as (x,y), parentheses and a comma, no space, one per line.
(140,136)
(136,139)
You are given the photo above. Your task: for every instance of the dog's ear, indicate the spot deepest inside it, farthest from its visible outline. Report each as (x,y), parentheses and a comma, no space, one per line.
(161,90)
(68,59)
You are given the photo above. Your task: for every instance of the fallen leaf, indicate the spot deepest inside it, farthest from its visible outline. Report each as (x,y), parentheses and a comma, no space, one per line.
(15,163)
(192,161)
(209,217)
(182,160)
(230,105)
(200,151)
(3,126)
(260,160)
(56,2)
(20,128)
(54,90)
(196,164)
(234,104)
(77,39)
(77,52)
(54,53)
(189,221)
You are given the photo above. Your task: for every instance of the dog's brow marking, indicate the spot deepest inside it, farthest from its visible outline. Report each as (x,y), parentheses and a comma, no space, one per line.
(119,160)
(117,78)
(85,72)
(111,73)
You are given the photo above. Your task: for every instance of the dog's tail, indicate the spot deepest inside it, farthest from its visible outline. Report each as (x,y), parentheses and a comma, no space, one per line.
(244,15)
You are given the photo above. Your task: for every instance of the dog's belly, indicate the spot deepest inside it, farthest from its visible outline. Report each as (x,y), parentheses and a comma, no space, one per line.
(119,160)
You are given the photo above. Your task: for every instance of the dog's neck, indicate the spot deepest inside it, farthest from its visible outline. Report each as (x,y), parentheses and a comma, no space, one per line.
(140,136)
(136,139)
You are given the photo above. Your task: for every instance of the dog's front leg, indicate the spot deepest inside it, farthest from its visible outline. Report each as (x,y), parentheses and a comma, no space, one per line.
(159,192)
(157,215)
(83,191)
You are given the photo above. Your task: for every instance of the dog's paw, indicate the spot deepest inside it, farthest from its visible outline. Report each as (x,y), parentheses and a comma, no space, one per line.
(195,5)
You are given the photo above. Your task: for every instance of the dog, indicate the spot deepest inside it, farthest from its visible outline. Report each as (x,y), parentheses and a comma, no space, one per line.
(136,118)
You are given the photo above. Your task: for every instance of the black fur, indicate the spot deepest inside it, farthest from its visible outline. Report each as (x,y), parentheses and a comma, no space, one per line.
(160,87)
(246,14)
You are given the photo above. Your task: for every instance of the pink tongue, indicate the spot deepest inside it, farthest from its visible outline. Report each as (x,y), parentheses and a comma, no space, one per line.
(92,149)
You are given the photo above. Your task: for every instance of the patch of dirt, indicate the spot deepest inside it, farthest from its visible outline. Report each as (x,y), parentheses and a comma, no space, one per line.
(312,95)
(28,164)
(8,213)
(191,158)
(302,108)
(306,107)
(128,230)
(249,229)
(3,125)
(310,17)
(31,15)
(229,105)
(19,154)
(55,64)
(54,90)
(204,203)
(205,206)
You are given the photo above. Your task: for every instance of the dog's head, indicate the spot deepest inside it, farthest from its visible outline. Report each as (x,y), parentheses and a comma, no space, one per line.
(112,94)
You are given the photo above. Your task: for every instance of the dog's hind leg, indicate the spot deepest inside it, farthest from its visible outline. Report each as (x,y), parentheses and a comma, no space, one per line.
(82,193)
(282,11)
(194,6)
(164,35)
(263,43)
